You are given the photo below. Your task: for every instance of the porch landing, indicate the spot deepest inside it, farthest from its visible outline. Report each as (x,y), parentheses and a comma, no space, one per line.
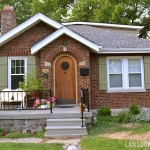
(44,114)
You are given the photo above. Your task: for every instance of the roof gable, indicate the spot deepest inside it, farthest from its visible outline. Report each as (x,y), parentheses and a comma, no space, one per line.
(26,25)
(57,34)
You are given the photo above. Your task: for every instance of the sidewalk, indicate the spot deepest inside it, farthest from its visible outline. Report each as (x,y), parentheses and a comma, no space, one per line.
(69,143)
(40,140)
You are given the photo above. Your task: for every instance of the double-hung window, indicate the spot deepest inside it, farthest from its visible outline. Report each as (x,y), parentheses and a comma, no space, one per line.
(125,73)
(17,71)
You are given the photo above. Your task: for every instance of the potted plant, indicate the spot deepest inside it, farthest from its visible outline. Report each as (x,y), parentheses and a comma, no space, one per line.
(40,103)
(44,103)
(32,84)
(51,100)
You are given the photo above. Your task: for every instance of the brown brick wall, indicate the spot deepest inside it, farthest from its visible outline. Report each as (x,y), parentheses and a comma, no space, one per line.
(21,45)
(113,100)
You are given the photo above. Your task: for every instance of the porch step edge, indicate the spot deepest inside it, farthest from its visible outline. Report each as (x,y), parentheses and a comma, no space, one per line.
(66,119)
(64,127)
(65,135)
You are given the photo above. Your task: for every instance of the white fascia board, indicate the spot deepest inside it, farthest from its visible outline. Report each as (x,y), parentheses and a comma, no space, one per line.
(60,32)
(124,50)
(26,25)
(104,25)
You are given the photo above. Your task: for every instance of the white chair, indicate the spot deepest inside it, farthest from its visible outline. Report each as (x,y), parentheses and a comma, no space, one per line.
(6,96)
(19,96)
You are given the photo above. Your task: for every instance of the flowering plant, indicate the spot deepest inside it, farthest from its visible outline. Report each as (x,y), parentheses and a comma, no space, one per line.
(38,102)
(52,99)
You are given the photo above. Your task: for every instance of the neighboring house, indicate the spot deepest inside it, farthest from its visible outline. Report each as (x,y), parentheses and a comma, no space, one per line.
(108,59)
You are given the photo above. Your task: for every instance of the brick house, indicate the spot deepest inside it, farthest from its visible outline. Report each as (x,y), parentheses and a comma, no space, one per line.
(108,59)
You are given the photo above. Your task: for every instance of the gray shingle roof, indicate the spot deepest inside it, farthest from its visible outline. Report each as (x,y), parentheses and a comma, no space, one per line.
(109,39)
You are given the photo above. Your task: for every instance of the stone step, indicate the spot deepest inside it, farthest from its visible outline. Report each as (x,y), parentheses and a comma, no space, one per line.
(69,131)
(69,115)
(65,122)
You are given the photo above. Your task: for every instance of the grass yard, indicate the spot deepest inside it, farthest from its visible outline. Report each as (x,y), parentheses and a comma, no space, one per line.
(102,130)
(25,146)
(94,143)
(110,125)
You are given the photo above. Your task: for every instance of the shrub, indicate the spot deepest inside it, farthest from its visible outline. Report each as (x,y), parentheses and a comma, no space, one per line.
(124,117)
(31,83)
(104,111)
(134,109)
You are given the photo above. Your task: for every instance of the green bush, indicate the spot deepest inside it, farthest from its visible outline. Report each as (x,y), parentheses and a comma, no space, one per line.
(134,109)
(124,117)
(104,111)
(31,82)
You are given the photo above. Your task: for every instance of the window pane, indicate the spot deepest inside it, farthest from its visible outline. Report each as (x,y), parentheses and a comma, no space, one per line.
(22,62)
(134,65)
(17,70)
(13,63)
(22,70)
(135,80)
(115,80)
(17,62)
(12,70)
(15,79)
(115,66)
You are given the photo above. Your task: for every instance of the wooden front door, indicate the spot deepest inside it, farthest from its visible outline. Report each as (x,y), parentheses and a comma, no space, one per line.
(65,81)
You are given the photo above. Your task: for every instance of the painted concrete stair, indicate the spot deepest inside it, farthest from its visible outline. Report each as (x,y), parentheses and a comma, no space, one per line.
(69,127)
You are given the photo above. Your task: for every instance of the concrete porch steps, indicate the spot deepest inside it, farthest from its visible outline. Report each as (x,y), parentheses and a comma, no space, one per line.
(65,122)
(67,127)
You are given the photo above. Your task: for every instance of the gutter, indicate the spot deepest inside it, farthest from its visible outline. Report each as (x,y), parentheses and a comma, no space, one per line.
(123,50)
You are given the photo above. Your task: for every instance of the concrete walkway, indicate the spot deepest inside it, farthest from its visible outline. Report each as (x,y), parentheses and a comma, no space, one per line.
(69,143)
(40,140)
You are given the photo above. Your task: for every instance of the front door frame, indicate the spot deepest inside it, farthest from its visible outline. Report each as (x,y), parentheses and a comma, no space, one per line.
(76,84)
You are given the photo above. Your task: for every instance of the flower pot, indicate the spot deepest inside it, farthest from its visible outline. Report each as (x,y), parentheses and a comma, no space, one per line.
(43,106)
(34,94)
(49,105)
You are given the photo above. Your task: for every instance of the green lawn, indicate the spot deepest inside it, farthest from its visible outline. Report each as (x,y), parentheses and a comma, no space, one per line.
(95,143)
(106,125)
(25,146)
(142,128)
(111,125)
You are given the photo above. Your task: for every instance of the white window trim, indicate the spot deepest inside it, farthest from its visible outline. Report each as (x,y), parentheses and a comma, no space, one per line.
(125,77)
(9,68)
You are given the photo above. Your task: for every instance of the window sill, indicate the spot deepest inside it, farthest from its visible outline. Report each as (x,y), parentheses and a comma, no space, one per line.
(125,90)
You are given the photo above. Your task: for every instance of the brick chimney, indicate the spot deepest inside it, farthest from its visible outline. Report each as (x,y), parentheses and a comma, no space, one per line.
(8,19)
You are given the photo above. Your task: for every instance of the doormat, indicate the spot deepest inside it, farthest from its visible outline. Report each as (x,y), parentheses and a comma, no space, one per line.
(65,106)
